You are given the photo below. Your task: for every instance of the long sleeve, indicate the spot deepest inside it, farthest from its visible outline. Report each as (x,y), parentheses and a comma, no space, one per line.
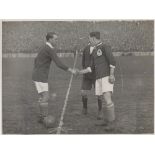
(83,59)
(56,59)
(110,56)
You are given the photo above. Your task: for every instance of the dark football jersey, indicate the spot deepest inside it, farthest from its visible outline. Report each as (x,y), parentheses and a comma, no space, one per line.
(101,60)
(86,61)
(42,64)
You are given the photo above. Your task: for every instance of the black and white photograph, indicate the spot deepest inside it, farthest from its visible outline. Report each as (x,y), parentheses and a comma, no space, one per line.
(77,77)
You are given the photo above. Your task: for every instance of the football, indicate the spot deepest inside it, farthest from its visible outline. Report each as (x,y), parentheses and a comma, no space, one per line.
(49,121)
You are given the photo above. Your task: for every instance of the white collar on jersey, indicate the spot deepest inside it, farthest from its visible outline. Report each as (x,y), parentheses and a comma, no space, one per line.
(50,45)
(99,44)
(95,45)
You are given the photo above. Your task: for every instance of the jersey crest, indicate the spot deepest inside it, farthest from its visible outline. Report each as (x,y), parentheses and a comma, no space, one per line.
(99,52)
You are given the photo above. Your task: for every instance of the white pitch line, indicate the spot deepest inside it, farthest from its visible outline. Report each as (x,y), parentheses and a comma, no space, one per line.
(66,99)
(121,73)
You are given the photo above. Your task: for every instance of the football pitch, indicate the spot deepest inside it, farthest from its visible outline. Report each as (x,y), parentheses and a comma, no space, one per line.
(133,97)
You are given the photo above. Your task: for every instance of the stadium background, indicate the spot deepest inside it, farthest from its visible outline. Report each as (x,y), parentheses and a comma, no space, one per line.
(124,36)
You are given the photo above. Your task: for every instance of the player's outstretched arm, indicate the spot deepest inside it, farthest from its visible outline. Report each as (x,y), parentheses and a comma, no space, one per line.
(85,71)
(56,60)
(73,71)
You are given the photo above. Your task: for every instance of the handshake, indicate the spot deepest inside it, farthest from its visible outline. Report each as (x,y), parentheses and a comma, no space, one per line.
(74,71)
(77,71)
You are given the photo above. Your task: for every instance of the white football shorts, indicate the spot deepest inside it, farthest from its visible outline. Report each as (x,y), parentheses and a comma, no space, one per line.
(103,85)
(41,87)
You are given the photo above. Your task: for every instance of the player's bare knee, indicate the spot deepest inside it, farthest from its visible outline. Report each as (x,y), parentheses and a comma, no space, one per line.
(108,101)
(45,97)
(109,104)
(43,104)
(83,93)
(107,98)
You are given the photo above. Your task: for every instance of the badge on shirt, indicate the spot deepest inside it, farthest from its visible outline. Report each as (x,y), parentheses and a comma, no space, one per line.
(99,52)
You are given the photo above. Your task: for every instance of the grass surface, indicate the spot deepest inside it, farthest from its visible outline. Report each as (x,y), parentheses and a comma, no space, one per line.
(133,97)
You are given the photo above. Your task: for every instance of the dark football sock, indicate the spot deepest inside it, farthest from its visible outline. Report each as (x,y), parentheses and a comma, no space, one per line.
(84,101)
(99,104)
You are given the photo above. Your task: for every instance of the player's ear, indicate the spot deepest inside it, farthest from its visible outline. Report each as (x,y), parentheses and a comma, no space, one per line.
(49,40)
(94,41)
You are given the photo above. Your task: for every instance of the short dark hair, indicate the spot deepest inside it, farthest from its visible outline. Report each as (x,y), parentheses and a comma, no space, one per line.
(50,35)
(95,34)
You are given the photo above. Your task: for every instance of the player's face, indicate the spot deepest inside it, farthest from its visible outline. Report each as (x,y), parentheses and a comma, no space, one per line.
(91,40)
(54,40)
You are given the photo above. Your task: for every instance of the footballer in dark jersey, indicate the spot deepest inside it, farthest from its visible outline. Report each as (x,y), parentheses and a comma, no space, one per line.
(42,63)
(103,65)
(88,81)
